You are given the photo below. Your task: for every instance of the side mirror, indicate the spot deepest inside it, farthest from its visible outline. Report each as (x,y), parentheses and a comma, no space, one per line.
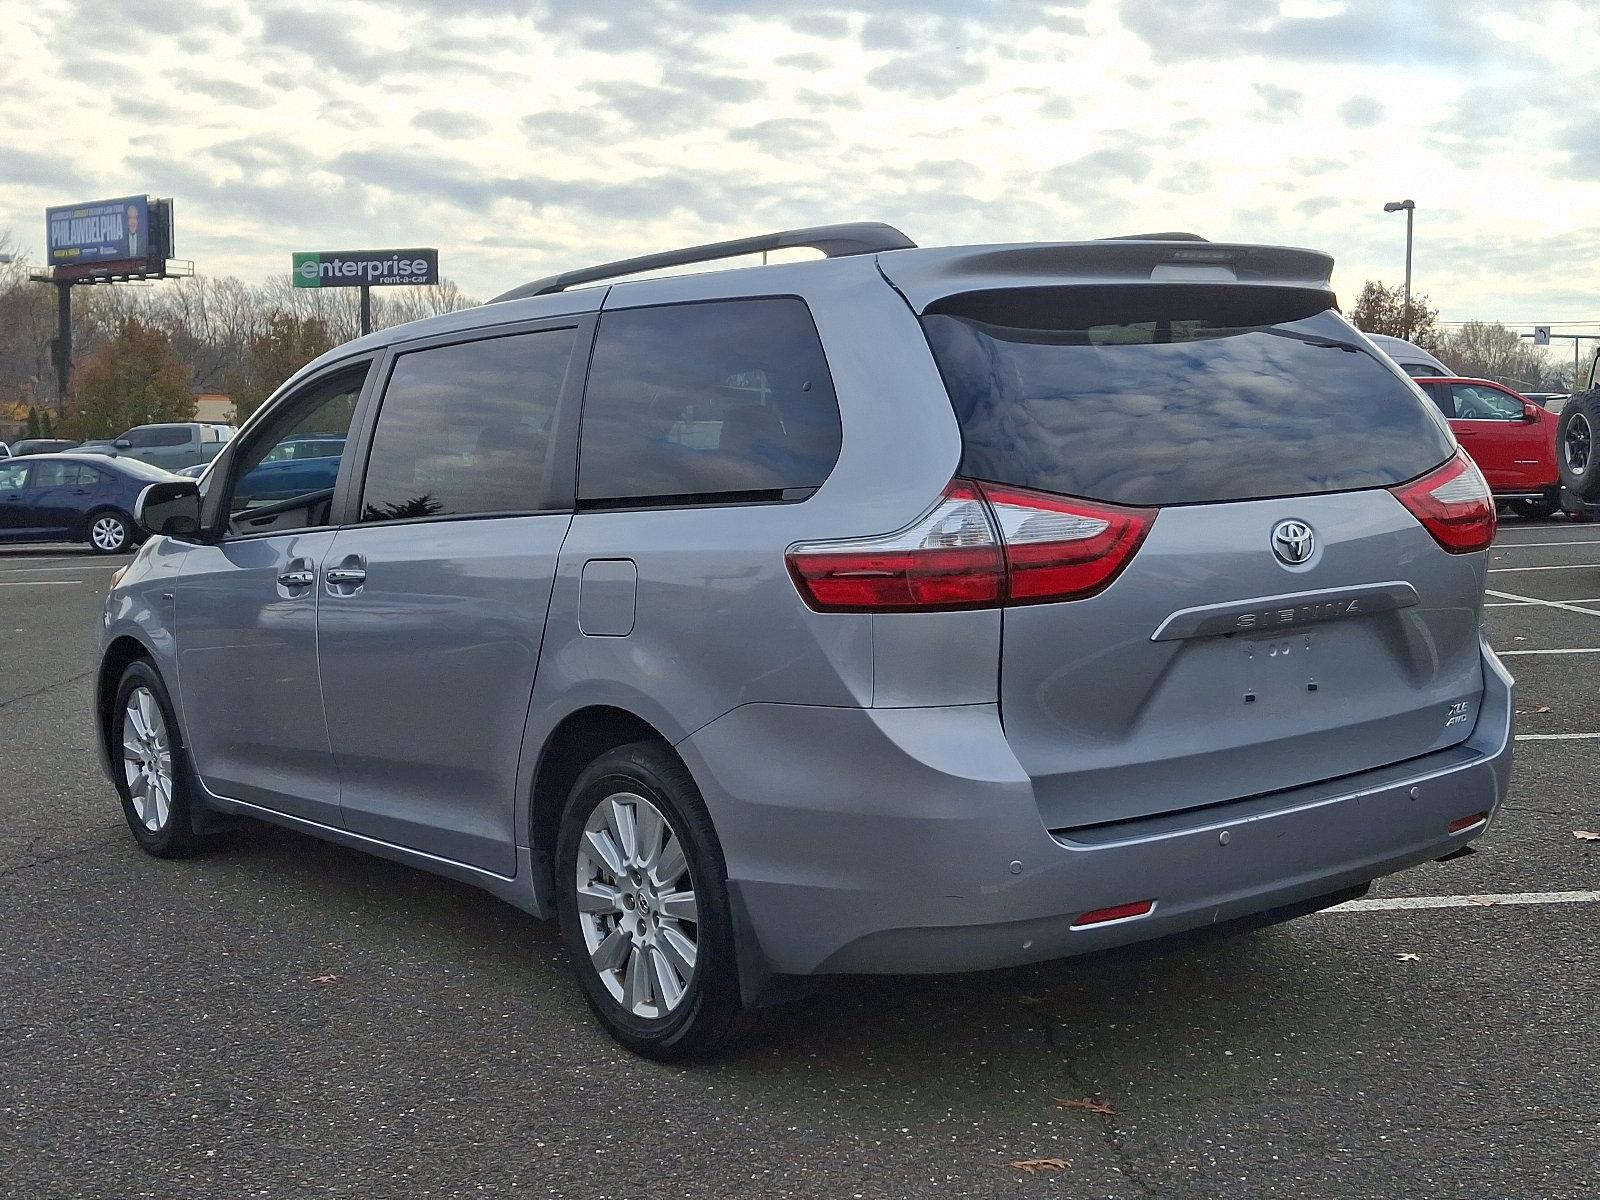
(171,509)
(123,444)
(1530,411)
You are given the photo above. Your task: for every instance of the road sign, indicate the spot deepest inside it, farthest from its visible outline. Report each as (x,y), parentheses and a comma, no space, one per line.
(1541,335)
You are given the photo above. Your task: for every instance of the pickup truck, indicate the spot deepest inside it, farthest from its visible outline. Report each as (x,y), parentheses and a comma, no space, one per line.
(172,446)
(1512,439)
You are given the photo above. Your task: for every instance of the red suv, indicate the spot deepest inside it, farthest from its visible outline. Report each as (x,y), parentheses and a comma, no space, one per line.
(1511,438)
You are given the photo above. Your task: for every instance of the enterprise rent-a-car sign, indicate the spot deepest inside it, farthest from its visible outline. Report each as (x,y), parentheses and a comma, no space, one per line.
(364,268)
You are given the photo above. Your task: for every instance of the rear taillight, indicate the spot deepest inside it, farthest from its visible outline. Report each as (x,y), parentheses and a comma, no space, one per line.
(948,559)
(1453,504)
(1063,549)
(980,546)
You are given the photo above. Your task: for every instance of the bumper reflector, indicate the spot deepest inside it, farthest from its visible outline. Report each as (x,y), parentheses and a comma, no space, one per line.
(1461,823)
(1117,912)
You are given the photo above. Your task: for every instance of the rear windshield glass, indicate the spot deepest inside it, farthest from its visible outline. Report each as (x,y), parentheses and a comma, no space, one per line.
(1175,394)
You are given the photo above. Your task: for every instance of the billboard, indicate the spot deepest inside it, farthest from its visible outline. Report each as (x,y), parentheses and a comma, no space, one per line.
(131,229)
(364,268)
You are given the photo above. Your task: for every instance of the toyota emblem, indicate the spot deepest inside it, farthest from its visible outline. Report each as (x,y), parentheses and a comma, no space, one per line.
(1293,542)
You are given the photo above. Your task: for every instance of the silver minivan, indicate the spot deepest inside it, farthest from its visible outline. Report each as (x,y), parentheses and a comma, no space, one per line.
(902,610)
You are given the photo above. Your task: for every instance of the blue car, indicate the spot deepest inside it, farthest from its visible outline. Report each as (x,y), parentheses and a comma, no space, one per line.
(292,468)
(73,498)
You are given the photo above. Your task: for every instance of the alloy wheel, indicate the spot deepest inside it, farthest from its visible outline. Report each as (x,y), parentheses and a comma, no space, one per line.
(147,759)
(1579,443)
(637,907)
(108,533)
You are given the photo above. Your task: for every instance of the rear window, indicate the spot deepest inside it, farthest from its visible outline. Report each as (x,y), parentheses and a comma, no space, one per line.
(707,403)
(1175,394)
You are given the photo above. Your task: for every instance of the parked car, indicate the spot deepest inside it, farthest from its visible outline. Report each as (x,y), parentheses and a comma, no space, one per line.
(904,610)
(1413,359)
(292,468)
(73,498)
(1512,439)
(1553,401)
(172,445)
(41,446)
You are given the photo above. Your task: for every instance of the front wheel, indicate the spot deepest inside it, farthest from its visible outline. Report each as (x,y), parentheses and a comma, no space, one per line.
(149,765)
(110,533)
(643,902)
(1534,510)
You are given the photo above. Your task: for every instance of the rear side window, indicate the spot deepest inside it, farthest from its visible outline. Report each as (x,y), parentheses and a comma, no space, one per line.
(707,403)
(466,429)
(1175,394)
(159,435)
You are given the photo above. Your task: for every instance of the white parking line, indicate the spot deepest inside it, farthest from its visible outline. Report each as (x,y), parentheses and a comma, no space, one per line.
(1497,900)
(87,566)
(1566,605)
(1556,737)
(1568,567)
(1526,603)
(37,582)
(1563,650)
(1520,545)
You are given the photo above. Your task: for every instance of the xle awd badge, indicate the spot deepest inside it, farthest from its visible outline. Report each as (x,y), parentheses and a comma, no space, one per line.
(1293,542)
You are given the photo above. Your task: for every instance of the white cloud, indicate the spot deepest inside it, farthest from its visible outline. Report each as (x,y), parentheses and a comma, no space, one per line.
(526,136)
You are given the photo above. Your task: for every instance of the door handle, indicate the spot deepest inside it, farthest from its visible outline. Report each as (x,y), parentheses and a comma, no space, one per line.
(296,579)
(347,576)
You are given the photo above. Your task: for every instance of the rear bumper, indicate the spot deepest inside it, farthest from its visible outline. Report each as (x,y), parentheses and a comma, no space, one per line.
(909,840)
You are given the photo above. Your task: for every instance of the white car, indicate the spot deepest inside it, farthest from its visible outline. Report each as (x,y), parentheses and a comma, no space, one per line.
(1413,359)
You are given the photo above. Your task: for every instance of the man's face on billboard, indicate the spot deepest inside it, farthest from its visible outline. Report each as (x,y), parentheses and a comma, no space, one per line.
(133,220)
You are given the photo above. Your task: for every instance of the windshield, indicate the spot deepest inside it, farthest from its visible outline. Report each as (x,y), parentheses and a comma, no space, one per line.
(1176,395)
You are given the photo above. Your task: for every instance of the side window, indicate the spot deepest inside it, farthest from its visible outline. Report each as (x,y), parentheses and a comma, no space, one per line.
(89,477)
(722,401)
(1476,403)
(140,438)
(171,435)
(324,409)
(1439,393)
(12,475)
(1421,370)
(466,429)
(54,474)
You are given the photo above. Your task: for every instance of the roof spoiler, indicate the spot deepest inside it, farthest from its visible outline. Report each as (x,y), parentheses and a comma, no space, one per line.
(835,241)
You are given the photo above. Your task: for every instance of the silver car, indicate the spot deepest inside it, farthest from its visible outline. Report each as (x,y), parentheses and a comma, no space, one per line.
(902,610)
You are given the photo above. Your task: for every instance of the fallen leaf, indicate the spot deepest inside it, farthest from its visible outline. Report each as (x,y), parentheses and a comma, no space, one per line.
(1586,835)
(1034,1166)
(1409,957)
(1543,708)
(324,979)
(1091,1104)
(1519,637)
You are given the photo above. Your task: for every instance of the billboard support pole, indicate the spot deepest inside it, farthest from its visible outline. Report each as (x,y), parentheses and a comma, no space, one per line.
(366,309)
(63,344)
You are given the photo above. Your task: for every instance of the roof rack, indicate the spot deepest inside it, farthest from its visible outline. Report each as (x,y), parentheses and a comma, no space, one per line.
(835,241)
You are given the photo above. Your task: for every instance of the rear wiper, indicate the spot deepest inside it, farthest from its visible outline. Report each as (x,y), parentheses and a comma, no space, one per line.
(1311,339)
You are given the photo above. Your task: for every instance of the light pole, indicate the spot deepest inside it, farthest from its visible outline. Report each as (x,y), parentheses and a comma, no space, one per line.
(1409,208)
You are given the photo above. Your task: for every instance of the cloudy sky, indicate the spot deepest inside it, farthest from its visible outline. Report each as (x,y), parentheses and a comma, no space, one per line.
(524,136)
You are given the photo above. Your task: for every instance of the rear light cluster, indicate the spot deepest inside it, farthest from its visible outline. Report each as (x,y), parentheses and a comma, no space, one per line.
(981,545)
(1453,504)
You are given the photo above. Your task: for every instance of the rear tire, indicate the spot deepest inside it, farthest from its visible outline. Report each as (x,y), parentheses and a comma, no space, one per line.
(641,890)
(110,533)
(149,766)
(1578,446)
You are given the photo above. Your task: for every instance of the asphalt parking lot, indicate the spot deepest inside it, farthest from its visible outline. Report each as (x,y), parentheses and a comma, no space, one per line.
(285,1018)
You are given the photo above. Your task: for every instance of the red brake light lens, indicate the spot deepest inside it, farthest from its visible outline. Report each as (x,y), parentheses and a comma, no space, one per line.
(1058,548)
(949,559)
(980,546)
(1453,504)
